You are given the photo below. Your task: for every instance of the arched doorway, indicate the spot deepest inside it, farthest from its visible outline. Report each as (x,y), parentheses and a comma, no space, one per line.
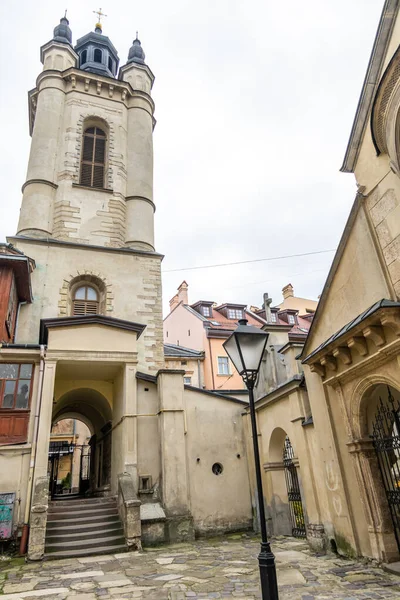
(386,441)
(286,507)
(92,410)
(296,511)
(69,458)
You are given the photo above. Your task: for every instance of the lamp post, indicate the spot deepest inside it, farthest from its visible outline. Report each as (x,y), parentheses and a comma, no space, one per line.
(245,348)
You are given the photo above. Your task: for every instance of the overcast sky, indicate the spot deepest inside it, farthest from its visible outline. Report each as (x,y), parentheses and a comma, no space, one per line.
(254,104)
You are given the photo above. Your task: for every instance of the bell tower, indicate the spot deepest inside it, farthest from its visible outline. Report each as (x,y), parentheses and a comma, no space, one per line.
(87,212)
(90,170)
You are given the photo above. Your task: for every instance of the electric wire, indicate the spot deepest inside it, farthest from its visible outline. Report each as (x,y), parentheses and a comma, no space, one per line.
(246,262)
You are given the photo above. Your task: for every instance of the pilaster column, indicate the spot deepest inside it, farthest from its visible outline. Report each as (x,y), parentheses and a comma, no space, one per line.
(46,409)
(173,445)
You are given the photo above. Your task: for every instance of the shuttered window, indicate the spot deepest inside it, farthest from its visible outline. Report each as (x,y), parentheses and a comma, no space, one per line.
(15,396)
(93,158)
(86,301)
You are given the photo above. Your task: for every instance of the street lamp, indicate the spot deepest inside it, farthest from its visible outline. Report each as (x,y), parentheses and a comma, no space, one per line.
(245,347)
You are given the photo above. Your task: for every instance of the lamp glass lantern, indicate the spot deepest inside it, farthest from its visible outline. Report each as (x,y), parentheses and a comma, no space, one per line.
(245,347)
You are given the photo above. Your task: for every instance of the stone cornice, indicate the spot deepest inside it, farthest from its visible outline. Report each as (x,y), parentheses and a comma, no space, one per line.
(345,351)
(61,46)
(363,367)
(101,320)
(93,84)
(42,181)
(91,356)
(142,198)
(122,249)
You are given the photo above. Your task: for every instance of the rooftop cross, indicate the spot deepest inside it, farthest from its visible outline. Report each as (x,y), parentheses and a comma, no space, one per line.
(99,14)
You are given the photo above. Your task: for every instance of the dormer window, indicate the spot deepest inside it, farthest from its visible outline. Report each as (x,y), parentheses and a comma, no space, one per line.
(206,310)
(273,317)
(235,313)
(98,56)
(291,320)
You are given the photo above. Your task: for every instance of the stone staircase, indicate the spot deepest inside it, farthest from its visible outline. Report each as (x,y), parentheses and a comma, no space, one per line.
(83,526)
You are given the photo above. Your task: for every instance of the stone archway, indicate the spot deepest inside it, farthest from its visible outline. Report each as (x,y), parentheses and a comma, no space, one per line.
(278,505)
(92,408)
(365,411)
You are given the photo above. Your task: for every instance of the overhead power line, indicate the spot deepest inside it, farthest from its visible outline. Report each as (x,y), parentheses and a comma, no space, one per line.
(245,262)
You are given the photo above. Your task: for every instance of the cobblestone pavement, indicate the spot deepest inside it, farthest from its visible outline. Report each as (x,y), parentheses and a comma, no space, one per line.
(218,568)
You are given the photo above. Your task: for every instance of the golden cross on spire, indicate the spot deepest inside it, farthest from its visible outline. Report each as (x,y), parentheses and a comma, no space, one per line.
(99,14)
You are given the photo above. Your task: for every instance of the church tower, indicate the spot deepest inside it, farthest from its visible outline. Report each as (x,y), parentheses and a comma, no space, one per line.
(87,214)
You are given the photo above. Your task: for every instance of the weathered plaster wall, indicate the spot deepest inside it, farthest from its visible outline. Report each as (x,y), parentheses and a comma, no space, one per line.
(217,502)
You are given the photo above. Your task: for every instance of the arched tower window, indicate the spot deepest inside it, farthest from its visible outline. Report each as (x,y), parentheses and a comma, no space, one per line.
(84,57)
(98,56)
(93,157)
(86,301)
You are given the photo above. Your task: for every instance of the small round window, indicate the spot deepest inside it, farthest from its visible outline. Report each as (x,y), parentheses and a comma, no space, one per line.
(217,468)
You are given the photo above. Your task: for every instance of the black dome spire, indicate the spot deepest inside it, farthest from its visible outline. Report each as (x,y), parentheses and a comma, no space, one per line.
(136,53)
(63,33)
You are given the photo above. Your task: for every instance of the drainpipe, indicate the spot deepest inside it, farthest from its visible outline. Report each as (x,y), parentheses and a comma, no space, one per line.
(25,529)
(17,317)
(211,361)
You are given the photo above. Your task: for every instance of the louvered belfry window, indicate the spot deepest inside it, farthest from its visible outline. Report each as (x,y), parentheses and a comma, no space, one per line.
(86,301)
(93,157)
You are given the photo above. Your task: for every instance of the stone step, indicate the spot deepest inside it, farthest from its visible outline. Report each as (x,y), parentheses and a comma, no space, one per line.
(81,527)
(97,512)
(93,544)
(55,535)
(116,549)
(70,501)
(99,519)
(79,505)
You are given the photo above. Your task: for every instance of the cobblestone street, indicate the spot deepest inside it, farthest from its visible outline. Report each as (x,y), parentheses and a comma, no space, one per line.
(217,568)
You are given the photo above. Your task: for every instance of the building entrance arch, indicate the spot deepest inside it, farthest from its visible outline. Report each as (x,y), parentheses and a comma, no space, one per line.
(91,408)
(286,508)
(386,442)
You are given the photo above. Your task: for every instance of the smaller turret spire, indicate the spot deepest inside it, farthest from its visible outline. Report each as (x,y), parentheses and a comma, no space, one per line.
(136,53)
(63,33)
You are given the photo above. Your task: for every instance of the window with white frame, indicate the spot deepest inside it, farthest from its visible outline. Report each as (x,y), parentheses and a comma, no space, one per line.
(235,313)
(273,317)
(187,380)
(223,365)
(206,311)
(291,319)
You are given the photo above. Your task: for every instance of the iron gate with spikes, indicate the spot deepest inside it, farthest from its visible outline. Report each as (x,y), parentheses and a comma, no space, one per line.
(386,441)
(293,489)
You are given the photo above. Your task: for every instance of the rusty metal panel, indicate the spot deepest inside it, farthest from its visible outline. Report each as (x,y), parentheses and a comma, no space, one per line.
(7,502)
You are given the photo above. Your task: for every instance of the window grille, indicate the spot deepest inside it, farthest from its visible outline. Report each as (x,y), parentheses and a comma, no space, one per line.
(93,158)
(86,301)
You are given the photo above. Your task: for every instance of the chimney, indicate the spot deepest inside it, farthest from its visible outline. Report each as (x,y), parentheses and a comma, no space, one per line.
(181,296)
(267,307)
(288,291)
(183,293)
